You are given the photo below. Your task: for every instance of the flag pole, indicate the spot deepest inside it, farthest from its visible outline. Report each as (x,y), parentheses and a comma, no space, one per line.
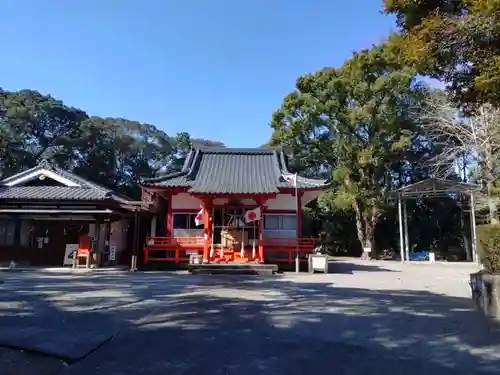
(254,254)
(242,251)
(297,260)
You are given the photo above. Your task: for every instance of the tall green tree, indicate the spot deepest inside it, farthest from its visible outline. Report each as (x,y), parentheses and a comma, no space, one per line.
(117,153)
(456,41)
(357,122)
(113,152)
(35,126)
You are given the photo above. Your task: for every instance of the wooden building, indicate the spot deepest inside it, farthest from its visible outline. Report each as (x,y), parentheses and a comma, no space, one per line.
(45,210)
(229,205)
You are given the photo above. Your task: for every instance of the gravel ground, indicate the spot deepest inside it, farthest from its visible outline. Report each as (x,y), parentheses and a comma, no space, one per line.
(366,317)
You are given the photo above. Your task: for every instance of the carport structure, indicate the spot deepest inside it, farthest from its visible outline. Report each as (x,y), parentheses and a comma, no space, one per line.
(433,188)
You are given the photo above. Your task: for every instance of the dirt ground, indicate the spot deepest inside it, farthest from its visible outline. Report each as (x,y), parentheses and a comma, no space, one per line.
(366,317)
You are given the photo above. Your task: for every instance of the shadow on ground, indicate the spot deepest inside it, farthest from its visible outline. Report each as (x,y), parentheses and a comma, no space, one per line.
(181,324)
(335,266)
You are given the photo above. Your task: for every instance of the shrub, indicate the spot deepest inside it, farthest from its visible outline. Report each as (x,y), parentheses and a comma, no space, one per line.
(488,247)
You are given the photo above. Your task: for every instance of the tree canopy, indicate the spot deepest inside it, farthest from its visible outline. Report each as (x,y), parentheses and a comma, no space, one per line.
(113,152)
(456,41)
(356,122)
(370,126)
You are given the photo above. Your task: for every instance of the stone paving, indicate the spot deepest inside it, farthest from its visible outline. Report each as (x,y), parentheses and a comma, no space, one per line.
(366,317)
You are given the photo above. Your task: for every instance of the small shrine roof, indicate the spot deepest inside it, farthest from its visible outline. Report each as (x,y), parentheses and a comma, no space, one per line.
(437,187)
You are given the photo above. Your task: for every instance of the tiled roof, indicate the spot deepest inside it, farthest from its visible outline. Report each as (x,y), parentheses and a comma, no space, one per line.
(82,190)
(233,171)
(51,193)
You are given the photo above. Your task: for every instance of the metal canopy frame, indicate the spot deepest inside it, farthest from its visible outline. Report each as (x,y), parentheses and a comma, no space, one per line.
(433,188)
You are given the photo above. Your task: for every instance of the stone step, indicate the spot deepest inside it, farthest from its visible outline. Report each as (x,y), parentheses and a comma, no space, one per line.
(234,269)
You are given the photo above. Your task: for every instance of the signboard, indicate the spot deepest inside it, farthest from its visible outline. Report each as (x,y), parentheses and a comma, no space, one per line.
(318,263)
(149,199)
(367,249)
(145,199)
(69,253)
(112,253)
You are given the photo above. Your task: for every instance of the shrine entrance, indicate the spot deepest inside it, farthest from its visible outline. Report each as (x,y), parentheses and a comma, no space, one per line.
(232,237)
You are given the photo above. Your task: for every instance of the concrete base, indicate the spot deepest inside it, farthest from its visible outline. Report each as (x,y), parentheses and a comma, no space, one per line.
(67,344)
(234,269)
(67,269)
(318,262)
(485,290)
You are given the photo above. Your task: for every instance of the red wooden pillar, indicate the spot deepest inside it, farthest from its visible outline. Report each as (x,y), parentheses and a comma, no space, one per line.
(210,228)
(260,241)
(261,201)
(261,233)
(169,222)
(206,232)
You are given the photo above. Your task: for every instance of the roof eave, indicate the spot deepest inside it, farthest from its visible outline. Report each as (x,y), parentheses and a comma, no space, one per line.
(18,175)
(451,186)
(186,170)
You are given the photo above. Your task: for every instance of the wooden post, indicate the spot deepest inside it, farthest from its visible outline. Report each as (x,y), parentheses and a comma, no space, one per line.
(107,247)
(88,261)
(298,224)
(475,258)
(135,242)
(260,239)
(211,252)
(254,252)
(152,228)
(169,221)
(405,230)
(75,255)
(299,213)
(212,230)
(401,234)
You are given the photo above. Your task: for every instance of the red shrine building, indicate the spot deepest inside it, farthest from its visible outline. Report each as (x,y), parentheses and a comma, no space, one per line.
(229,205)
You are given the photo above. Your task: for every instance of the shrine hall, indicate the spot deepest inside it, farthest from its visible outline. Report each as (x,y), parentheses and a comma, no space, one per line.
(229,205)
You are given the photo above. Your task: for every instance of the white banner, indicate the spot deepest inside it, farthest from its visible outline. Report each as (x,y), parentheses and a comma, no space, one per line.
(69,253)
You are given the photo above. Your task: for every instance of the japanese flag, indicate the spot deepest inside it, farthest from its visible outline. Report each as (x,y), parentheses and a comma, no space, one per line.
(198,220)
(290,178)
(252,215)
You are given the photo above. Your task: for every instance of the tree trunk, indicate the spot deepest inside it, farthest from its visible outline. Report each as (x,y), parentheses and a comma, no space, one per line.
(365,228)
(369,244)
(465,237)
(489,175)
(371,223)
(492,204)
(359,225)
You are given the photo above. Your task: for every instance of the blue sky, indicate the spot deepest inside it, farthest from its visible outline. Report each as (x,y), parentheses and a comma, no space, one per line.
(214,68)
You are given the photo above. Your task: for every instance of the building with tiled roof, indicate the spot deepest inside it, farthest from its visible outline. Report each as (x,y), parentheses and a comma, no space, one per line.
(229,204)
(45,209)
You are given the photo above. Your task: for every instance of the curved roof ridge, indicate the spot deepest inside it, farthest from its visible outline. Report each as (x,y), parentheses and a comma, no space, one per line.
(213,170)
(195,163)
(234,150)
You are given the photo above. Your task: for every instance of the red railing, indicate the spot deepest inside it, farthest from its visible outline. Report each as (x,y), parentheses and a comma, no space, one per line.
(177,250)
(172,249)
(284,250)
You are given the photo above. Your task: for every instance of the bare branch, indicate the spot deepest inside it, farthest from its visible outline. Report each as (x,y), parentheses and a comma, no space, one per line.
(472,141)
(475,138)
